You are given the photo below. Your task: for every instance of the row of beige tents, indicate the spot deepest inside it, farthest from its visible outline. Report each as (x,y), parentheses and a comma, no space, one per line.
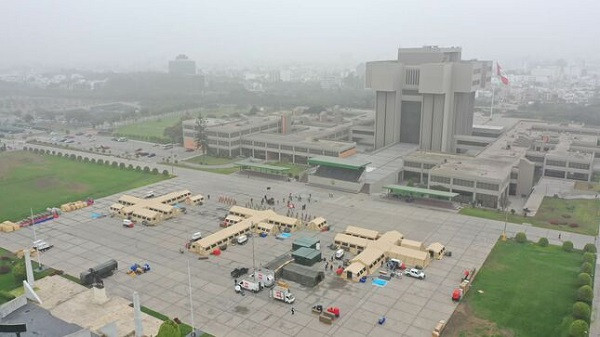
(374,248)
(73,206)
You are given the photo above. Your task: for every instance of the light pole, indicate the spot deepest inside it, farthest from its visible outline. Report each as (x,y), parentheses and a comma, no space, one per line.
(39,252)
(191,301)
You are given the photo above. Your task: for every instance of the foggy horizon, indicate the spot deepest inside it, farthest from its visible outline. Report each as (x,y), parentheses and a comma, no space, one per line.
(135,36)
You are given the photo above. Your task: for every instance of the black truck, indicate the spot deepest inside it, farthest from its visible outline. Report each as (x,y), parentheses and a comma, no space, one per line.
(100,271)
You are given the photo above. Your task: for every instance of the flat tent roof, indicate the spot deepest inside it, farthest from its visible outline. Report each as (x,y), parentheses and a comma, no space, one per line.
(338,162)
(407,190)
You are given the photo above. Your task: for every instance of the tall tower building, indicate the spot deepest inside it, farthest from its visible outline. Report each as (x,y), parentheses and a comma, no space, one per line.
(182,66)
(426,96)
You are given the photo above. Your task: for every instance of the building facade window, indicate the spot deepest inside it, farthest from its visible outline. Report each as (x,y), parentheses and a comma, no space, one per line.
(488,186)
(440,179)
(581,166)
(558,163)
(428,166)
(463,182)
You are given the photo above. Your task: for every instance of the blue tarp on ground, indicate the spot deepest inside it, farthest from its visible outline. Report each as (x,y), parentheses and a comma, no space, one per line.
(379,282)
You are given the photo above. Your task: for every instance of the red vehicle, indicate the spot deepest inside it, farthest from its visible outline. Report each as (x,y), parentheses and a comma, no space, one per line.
(457,294)
(334,310)
(128,223)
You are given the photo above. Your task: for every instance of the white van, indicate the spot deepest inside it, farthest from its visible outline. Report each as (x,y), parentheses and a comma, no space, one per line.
(196,236)
(242,239)
(339,254)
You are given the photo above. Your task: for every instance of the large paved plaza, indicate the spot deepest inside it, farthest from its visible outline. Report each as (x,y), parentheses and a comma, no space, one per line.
(412,307)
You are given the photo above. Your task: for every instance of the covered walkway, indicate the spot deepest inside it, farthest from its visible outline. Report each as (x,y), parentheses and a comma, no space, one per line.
(407,191)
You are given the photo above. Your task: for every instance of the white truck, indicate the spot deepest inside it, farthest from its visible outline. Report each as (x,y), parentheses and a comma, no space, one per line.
(265,277)
(283,294)
(253,286)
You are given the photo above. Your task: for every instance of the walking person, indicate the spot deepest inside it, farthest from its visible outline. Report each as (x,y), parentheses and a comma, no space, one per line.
(293,310)
(559,236)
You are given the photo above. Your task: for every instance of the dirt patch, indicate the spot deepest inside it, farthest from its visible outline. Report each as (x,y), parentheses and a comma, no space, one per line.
(49,182)
(463,323)
(46,182)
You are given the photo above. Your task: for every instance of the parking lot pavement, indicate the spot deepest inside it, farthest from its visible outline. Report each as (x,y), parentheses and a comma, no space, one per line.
(125,149)
(412,307)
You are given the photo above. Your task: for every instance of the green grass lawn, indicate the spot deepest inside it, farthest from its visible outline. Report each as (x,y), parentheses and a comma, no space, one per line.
(211,160)
(153,129)
(42,181)
(527,288)
(8,282)
(583,212)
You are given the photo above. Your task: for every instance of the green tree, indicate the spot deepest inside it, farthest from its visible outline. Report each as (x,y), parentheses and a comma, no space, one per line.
(581,311)
(589,257)
(585,294)
(590,248)
(579,328)
(567,246)
(584,279)
(174,133)
(521,237)
(543,242)
(170,329)
(201,137)
(586,267)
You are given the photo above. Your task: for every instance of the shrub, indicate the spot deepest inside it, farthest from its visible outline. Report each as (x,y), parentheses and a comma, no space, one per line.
(553,221)
(122,166)
(586,267)
(171,329)
(581,311)
(4,270)
(114,164)
(578,328)
(589,257)
(19,272)
(72,157)
(573,225)
(584,279)
(146,169)
(155,171)
(566,216)
(567,246)
(585,294)
(165,173)
(521,237)
(79,158)
(138,168)
(100,162)
(130,167)
(86,160)
(543,242)
(93,160)
(590,248)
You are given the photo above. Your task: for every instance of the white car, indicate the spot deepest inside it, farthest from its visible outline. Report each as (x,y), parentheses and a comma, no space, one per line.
(416,273)
(196,236)
(41,245)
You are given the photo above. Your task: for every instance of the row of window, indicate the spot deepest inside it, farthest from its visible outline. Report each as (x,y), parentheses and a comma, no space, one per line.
(463,182)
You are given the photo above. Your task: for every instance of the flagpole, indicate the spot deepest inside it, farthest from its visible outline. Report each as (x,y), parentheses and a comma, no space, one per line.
(493,92)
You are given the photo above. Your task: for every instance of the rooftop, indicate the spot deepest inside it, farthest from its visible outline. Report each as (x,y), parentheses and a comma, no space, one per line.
(353,164)
(480,167)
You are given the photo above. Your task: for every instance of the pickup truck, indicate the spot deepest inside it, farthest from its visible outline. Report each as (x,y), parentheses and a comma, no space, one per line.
(416,273)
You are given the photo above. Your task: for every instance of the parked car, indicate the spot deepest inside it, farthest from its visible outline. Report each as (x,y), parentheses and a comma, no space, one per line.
(339,254)
(196,236)
(242,239)
(416,273)
(41,245)
(128,223)
(149,195)
(237,272)
(152,155)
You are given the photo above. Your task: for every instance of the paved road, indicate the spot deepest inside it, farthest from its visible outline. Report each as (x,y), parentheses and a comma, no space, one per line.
(412,307)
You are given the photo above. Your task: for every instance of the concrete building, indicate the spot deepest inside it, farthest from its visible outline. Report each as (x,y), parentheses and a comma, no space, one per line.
(274,138)
(182,66)
(425,97)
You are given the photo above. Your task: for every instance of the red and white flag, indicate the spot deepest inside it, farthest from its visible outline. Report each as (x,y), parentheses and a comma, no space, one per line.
(501,74)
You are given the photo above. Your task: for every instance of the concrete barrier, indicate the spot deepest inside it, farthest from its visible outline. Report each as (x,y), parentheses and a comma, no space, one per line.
(10,306)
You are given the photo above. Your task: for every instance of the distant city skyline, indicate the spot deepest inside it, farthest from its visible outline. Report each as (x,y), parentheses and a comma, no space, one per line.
(137,36)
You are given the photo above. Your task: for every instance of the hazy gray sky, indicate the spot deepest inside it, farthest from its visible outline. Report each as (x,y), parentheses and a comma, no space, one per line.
(140,35)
